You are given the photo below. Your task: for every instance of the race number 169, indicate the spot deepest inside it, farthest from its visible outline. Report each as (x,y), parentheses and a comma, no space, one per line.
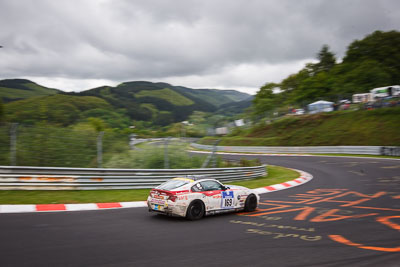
(227,199)
(228,202)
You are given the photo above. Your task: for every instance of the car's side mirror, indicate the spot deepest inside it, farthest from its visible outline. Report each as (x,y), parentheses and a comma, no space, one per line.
(226,187)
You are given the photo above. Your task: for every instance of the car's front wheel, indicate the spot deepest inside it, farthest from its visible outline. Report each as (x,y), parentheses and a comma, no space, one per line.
(195,210)
(251,203)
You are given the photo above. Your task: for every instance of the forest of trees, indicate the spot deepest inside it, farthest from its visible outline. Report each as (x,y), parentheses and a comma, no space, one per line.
(368,63)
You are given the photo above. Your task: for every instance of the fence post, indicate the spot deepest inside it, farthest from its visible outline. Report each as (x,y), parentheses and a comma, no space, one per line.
(214,157)
(100,149)
(211,157)
(13,144)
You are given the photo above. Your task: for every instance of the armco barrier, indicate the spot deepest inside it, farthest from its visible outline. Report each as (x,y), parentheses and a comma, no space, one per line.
(54,178)
(367,150)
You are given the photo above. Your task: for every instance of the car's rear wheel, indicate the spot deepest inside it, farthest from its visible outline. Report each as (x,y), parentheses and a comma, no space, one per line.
(195,210)
(251,203)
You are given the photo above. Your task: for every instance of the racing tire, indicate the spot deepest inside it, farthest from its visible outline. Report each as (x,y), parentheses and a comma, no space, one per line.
(195,210)
(251,203)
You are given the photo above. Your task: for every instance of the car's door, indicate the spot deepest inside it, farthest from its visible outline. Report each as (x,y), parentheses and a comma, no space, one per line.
(217,196)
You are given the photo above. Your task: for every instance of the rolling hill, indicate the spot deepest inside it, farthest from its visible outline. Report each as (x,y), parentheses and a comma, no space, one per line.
(160,103)
(17,89)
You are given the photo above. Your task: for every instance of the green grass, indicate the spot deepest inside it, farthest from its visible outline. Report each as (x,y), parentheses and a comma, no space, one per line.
(276,175)
(378,127)
(167,94)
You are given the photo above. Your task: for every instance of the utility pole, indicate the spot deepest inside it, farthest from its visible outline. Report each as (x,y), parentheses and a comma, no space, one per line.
(214,157)
(211,156)
(166,159)
(100,149)
(13,144)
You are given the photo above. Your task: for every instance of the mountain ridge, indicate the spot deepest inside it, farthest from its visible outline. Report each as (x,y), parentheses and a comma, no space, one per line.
(18,89)
(159,103)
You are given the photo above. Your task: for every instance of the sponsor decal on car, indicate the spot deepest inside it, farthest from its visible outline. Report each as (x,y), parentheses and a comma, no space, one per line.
(183,197)
(158,201)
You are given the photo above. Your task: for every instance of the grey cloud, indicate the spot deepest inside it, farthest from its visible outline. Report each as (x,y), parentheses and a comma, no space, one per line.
(126,40)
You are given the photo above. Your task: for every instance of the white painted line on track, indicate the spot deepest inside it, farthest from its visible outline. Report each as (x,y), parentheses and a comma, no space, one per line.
(17,208)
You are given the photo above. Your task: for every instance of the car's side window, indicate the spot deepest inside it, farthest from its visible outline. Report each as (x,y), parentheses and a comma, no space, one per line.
(197,188)
(211,186)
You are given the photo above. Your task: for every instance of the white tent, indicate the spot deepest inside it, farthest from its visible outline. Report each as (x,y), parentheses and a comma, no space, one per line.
(320,106)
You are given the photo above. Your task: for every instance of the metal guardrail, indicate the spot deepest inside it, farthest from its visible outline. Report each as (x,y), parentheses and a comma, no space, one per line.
(54,178)
(367,150)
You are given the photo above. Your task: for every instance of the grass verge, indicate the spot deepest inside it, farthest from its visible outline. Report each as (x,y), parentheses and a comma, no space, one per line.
(276,175)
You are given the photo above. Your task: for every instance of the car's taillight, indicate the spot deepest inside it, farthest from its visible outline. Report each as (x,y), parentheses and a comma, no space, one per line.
(151,193)
(172,197)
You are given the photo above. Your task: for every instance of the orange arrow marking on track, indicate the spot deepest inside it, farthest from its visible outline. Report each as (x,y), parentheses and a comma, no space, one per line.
(341,239)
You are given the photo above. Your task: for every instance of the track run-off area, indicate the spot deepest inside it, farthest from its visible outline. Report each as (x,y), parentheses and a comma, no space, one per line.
(348,215)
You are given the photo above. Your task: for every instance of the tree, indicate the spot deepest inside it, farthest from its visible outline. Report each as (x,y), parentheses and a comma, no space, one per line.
(326,61)
(164,118)
(97,124)
(371,62)
(291,86)
(265,99)
(382,47)
(360,77)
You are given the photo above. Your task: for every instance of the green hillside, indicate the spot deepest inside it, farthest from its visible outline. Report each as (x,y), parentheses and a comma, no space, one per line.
(167,94)
(214,96)
(363,127)
(230,109)
(17,89)
(162,103)
(59,109)
(158,104)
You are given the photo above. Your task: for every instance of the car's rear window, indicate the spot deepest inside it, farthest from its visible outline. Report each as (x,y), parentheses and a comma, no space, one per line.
(174,183)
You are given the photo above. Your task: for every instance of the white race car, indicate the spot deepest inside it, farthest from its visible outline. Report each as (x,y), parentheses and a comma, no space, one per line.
(193,198)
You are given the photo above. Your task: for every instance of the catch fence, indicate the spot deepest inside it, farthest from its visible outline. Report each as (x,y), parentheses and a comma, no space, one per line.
(47,178)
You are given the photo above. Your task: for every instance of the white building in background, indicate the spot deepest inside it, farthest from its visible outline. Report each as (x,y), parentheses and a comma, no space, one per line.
(239,123)
(222,131)
(320,106)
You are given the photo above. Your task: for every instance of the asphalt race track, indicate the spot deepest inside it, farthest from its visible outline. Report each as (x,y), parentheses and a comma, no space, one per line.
(348,215)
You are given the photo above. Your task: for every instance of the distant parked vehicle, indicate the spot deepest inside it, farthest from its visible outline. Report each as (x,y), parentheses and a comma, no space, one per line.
(362,98)
(387,91)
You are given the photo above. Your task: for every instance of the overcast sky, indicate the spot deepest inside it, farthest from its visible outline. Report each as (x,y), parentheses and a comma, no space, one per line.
(75,45)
